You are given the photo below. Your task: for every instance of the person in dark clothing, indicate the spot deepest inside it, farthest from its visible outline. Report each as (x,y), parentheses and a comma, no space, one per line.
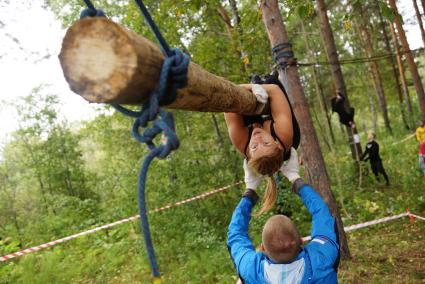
(371,153)
(345,117)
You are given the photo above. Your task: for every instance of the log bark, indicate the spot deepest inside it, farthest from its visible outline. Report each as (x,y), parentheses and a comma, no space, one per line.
(312,154)
(105,63)
(410,61)
(335,66)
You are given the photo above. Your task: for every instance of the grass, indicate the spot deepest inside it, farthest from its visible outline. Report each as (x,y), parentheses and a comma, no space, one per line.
(392,252)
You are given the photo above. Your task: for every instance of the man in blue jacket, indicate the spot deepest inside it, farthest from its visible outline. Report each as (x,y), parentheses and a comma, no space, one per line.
(283,259)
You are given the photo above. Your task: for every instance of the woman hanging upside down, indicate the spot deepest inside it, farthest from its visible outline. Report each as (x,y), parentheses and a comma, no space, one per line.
(265,141)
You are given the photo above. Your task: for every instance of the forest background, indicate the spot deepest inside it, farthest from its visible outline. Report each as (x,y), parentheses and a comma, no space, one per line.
(58,178)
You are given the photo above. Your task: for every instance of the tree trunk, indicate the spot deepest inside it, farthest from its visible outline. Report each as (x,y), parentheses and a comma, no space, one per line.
(374,71)
(217,129)
(423,7)
(239,32)
(322,131)
(318,88)
(402,74)
(234,37)
(393,68)
(333,59)
(372,112)
(310,145)
(410,61)
(129,67)
(420,23)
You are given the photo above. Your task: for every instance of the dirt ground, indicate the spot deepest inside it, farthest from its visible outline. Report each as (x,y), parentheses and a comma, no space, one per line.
(393,252)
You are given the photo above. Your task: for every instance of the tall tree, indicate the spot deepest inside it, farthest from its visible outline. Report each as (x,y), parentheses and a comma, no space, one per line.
(234,31)
(409,58)
(373,67)
(372,112)
(420,23)
(309,143)
(335,66)
(401,71)
(318,88)
(393,66)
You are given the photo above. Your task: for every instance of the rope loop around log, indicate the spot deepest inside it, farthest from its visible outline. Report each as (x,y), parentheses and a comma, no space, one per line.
(175,64)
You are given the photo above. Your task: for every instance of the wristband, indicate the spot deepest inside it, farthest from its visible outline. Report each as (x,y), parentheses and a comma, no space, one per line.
(251,195)
(296,186)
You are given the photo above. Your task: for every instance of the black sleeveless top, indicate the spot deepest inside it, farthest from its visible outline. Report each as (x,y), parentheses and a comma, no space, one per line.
(249,120)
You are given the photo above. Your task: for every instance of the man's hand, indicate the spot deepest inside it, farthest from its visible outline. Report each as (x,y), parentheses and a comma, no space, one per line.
(291,169)
(252,179)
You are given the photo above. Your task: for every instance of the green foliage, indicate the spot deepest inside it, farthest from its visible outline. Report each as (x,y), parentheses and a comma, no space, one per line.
(56,180)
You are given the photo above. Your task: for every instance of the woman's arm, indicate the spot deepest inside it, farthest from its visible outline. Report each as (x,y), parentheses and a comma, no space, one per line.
(238,133)
(281,113)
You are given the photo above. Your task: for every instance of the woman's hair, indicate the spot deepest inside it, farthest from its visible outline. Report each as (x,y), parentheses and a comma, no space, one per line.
(267,165)
(370,132)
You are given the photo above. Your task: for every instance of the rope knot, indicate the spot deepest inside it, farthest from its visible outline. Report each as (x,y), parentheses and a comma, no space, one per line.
(92,12)
(180,65)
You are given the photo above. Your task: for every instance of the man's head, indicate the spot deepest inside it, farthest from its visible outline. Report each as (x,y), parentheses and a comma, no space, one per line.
(281,240)
(371,136)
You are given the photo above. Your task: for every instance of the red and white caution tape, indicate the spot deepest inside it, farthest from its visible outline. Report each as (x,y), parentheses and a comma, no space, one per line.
(406,138)
(374,222)
(52,243)
(417,217)
(166,207)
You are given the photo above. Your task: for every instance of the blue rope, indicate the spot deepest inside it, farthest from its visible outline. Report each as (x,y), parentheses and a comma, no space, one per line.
(154,28)
(175,64)
(91,11)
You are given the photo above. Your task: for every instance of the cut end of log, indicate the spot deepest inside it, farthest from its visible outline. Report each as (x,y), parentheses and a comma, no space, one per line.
(98,59)
(105,63)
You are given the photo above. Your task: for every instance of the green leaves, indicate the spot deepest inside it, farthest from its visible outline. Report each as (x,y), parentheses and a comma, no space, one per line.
(388,13)
(305,11)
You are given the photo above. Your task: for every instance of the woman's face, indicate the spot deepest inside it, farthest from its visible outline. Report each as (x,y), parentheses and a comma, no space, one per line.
(262,143)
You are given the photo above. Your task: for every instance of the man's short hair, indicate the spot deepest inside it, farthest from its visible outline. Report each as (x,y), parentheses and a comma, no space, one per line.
(281,239)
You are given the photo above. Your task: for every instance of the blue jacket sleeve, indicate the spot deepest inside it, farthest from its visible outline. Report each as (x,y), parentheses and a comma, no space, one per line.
(247,261)
(323,249)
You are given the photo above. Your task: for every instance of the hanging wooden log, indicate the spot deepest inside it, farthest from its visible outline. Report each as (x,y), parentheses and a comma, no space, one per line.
(105,63)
